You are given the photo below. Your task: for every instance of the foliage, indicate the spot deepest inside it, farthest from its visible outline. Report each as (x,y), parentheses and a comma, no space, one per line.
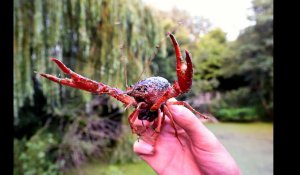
(123,152)
(33,117)
(164,63)
(101,35)
(235,98)
(235,105)
(34,156)
(208,59)
(236,114)
(194,34)
(100,39)
(93,38)
(87,138)
(253,57)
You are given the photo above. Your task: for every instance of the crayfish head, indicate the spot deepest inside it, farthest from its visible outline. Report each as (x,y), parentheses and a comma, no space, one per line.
(148,90)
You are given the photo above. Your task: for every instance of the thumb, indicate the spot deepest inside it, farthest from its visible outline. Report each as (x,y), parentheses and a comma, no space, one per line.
(141,147)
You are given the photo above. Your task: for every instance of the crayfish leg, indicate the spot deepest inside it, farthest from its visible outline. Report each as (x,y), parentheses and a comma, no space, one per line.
(131,120)
(185,104)
(169,114)
(157,124)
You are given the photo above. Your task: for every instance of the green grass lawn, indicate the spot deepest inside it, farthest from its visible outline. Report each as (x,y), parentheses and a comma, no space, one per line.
(97,168)
(251,145)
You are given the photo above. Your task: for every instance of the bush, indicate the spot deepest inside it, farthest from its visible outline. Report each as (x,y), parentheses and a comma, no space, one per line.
(235,105)
(123,152)
(237,98)
(237,114)
(88,138)
(34,156)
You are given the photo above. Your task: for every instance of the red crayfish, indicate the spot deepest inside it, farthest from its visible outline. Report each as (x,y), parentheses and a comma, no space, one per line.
(148,96)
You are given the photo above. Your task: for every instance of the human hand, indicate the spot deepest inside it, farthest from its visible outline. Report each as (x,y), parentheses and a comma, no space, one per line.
(200,152)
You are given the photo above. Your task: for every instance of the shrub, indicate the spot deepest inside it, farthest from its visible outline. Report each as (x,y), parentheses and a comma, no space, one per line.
(237,114)
(87,138)
(235,105)
(34,156)
(123,152)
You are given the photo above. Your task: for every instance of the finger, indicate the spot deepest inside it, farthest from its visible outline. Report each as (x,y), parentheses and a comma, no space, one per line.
(187,119)
(195,129)
(141,147)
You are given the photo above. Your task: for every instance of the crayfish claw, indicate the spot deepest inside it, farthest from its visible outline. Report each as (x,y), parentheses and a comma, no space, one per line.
(63,81)
(61,65)
(50,77)
(184,70)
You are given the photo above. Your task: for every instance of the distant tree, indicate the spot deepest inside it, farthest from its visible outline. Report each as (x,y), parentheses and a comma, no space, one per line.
(208,59)
(252,57)
(94,38)
(188,31)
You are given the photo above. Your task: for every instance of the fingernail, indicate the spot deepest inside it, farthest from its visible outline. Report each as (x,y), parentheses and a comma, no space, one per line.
(142,147)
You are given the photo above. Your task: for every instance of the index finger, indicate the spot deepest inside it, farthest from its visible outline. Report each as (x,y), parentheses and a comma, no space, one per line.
(195,129)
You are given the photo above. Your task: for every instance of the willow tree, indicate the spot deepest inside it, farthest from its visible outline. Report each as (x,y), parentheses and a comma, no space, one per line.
(94,38)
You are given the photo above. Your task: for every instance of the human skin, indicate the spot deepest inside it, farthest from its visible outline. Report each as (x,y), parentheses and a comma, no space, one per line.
(200,152)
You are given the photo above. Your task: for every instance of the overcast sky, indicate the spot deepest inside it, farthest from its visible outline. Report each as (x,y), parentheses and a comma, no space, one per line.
(230,15)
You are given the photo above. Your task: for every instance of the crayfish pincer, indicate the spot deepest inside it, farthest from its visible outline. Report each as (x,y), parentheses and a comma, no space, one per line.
(148,96)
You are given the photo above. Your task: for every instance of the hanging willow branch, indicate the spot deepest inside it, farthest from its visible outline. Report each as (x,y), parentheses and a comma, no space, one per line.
(86,35)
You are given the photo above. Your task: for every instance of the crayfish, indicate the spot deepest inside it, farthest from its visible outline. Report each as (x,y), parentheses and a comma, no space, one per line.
(148,97)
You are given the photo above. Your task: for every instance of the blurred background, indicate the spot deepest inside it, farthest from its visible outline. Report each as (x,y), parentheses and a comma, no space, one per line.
(61,130)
